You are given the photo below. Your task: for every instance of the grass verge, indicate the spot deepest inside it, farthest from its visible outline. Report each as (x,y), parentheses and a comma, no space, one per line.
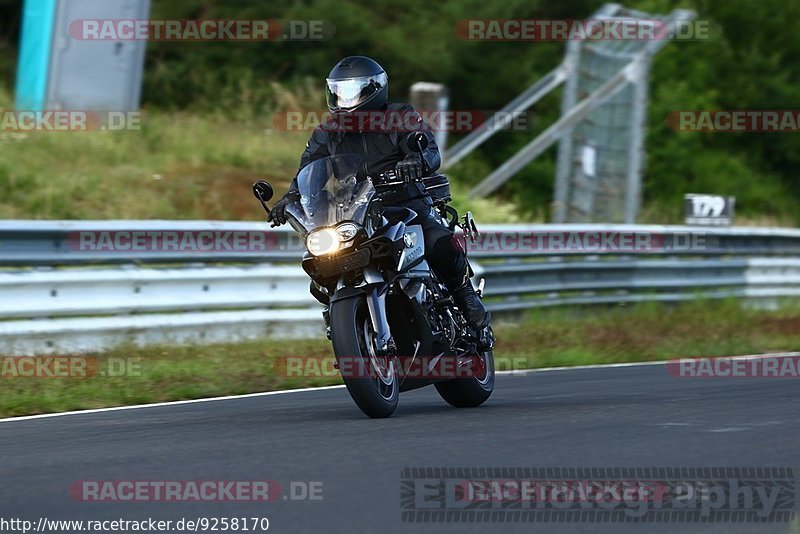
(544,338)
(179,165)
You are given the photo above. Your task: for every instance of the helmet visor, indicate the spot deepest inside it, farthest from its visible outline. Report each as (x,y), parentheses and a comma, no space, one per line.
(350,93)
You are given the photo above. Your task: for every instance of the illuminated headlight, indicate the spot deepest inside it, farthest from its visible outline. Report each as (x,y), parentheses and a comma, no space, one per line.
(347,231)
(323,242)
(330,240)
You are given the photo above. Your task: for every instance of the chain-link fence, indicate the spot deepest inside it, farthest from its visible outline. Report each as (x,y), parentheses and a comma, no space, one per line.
(600,158)
(601,128)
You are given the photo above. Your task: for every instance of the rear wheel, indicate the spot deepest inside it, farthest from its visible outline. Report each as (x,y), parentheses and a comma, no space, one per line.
(371,378)
(473,390)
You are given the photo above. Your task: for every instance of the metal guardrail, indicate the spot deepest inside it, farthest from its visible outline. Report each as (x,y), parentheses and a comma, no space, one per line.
(26,243)
(46,243)
(57,298)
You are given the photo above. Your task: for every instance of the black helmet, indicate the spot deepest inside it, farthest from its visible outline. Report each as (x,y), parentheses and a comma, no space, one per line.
(357,83)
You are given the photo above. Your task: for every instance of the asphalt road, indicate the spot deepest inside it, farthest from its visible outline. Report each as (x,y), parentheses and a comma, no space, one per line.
(636,416)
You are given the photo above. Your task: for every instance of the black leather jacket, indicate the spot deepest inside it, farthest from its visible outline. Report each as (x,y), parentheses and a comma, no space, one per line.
(380,150)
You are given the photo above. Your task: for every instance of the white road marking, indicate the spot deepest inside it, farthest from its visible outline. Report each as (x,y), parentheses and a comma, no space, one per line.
(167,403)
(521,372)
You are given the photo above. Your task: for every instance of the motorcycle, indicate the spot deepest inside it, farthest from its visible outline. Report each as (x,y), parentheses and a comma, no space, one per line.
(393,325)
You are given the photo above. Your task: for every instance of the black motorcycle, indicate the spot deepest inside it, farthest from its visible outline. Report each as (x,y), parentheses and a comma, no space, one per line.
(393,324)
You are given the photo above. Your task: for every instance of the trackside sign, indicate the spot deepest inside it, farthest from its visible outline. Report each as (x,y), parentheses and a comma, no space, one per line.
(708,210)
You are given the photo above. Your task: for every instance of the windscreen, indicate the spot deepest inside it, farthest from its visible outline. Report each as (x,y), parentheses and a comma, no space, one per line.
(331,192)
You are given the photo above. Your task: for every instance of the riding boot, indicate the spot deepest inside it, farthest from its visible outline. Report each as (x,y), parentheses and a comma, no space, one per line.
(449,262)
(468,301)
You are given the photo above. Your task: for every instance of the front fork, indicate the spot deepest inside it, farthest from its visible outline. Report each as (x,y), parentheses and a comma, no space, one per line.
(376,302)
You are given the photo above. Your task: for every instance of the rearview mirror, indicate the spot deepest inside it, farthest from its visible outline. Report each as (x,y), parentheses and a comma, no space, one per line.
(417,142)
(263,191)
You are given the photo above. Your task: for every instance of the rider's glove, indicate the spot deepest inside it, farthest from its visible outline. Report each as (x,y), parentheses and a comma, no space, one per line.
(277,214)
(410,168)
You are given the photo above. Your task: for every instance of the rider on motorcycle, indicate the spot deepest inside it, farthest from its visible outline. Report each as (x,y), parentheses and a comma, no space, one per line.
(358,84)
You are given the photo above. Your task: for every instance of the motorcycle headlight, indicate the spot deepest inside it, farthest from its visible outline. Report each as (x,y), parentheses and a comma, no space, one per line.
(347,231)
(323,242)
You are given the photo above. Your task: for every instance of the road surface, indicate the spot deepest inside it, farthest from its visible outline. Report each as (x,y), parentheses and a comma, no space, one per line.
(629,416)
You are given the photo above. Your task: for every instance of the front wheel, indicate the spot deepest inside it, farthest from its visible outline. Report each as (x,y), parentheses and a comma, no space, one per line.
(473,390)
(371,378)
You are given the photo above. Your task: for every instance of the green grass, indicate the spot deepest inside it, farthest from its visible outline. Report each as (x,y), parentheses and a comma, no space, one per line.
(652,331)
(200,163)
(543,338)
(180,165)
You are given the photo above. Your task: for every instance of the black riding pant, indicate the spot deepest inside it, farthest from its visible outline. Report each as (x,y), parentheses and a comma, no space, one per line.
(443,251)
